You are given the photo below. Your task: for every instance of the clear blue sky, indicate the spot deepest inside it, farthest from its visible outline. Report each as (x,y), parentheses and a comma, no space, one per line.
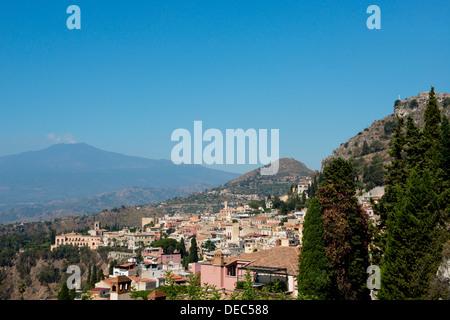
(137,70)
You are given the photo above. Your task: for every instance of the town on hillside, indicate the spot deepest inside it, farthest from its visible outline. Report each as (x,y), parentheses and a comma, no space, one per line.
(220,248)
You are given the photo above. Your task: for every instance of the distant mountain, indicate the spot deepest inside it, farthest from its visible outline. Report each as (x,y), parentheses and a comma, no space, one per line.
(73,171)
(368,150)
(248,187)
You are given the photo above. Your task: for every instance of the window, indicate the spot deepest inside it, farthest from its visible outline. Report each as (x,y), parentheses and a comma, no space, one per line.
(231,271)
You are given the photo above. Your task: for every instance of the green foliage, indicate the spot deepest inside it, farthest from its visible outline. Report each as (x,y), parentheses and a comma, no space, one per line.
(209,245)
(346,232)
(376,146)
(167,244)
(49,274)
(87,296)
(365,149)
(415,209)
(249,292)
(313,279)
(143,294)
(373,175)
(413,104)
(68,252)
(445,148)
(410,259)
(193,251)
(446,103)
(277,286)
(65,293)
(37,245)
(389,127)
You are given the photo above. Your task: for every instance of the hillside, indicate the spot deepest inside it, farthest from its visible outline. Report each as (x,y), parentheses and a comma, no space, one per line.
(368,150)
(248,187)
(132,196)
(122,216)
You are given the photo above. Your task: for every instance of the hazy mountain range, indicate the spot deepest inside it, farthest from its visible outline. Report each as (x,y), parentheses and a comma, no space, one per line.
(77,178)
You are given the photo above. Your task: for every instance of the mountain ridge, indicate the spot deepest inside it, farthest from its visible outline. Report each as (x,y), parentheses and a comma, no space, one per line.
(368,150)
(70,172)
(248,187)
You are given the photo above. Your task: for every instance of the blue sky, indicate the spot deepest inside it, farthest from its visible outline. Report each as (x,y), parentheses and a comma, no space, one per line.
(138,70)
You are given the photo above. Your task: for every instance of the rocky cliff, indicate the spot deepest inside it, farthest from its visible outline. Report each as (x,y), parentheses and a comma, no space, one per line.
(374,141)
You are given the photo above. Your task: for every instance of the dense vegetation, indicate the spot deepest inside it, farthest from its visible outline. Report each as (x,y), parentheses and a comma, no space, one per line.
(414,215)
(411,239)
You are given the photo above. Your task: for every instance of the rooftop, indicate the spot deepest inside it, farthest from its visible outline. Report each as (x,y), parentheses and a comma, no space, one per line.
(277,257)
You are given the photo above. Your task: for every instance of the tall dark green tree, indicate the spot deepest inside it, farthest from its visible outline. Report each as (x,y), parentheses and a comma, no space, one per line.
(395,179)
(445,148)
(415,208)
(313,280)
(365,149)
(89,277)
(193,251)
(432,133)
(346,232)
(100,275)
(413,148)
(412,250)
(64,293)
(93,279)
(181,248)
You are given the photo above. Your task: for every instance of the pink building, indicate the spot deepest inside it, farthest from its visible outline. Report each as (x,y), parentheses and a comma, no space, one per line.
(169,257)
(278,263)
(221,274)
(191,230)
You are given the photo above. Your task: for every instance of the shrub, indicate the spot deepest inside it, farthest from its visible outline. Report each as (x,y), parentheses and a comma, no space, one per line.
(49,274)
(68,252)
(413,104)
(446,103)
(389,127)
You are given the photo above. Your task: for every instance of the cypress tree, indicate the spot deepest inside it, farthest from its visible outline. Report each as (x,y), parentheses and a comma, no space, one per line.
(417,202)
(445,148)
(346,232)
(193,251)
(414,153)
(313,279)
(412,251)
(63,293)
(365,149)
(395,178)
(89,276)
(100,275)
(432,133)
(396,171)
(94,277)
(181,248)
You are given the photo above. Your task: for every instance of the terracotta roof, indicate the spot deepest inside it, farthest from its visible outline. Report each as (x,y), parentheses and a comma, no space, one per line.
(98,289)
(158,293)
(278,257)
(126,265)
(120,279)
(177,278)
(108,280)
(141,279)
